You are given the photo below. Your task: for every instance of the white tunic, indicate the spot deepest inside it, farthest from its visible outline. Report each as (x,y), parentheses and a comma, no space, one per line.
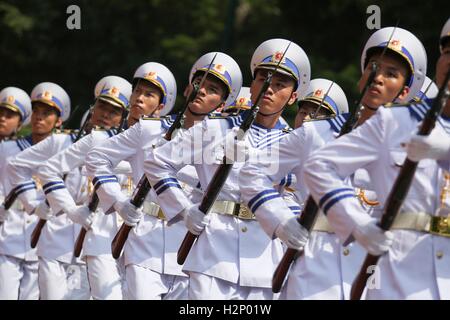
(152,244)
(416,266)
(57,238)
(16,230)
(229,248)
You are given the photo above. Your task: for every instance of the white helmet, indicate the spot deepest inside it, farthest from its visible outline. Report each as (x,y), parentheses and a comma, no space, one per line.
(224,68)
(242,102)
(18,101)
(407,46)
(429,90)
(335,101)
(295,62)
(445,34)
(114,90)
(161,77)
(53,95)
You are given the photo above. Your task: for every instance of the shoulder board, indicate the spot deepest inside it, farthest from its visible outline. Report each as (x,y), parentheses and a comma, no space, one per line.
(287,130)
(66,131)
(110,131)
(218,116)
(153,118)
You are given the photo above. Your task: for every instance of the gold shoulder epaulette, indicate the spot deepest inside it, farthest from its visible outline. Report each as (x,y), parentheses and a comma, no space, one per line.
(153,118)
(65,131)
(216,116)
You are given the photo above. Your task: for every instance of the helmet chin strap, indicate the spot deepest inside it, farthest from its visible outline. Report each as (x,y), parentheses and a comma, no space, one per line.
(273,113)
(199,114)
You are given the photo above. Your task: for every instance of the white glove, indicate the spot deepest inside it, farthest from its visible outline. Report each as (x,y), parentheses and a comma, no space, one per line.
(434,146)
(292,233)
(81,215)
(195,220)
(236,150)
(129,213)
(375,240)
(43,211)
(3,213)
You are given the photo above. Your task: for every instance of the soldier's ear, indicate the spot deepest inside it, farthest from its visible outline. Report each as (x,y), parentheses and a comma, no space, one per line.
(292,99)
(158,110)
(58,123)
(403,93)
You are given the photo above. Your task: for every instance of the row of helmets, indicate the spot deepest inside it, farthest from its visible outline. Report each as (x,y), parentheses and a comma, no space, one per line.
(287,57)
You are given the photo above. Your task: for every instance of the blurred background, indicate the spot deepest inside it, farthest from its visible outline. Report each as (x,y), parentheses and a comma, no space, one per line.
(117,36)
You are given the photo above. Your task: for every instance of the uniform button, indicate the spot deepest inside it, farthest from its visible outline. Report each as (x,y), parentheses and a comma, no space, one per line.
(346,251)
(439,254)
(28,221)
(244,229)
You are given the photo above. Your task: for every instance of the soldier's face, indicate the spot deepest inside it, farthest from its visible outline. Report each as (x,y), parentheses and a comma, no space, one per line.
(145,100)
(279,94)
(44,118)
(307,110)
(443,65)
(210,95)
(389,82)
(9,122)
(106,115)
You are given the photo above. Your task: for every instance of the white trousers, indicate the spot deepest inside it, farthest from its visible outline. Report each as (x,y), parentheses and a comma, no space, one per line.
(105,276)
(18,279)
(146,284)
(62,281)
(204,287)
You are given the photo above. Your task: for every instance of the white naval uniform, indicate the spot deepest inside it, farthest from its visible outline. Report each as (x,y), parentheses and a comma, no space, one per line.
(326,270)
(417,264)
(232,258)
(104,273)
(60,276)
(150,251)
(18,262)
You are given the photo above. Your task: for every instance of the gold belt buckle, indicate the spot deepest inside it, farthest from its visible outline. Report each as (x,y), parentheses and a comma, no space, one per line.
(440,226)
(242,212)
(161,215)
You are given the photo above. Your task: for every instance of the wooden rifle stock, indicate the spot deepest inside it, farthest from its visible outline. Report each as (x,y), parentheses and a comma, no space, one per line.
(400,189)
(36,234)
(221,174)
(311,210)
(122,235)
(80,239)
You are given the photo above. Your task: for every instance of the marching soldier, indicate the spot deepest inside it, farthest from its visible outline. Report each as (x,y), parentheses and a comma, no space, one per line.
(306,280)
(150,252)
(57,271)
(13,114)
(415,252)
(232,257)
(104,273)
(18,265)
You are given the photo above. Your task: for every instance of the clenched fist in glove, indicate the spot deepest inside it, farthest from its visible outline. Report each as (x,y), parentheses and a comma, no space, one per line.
(81,215)
(434,146)
(195,220)
(129,213)
(374,239)
(292,233)
(43,211)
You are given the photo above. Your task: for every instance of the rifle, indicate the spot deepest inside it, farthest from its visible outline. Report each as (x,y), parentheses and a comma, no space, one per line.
(93,204)
(143,187)
(221,174)
(311,211)
(400,188)
(36,234)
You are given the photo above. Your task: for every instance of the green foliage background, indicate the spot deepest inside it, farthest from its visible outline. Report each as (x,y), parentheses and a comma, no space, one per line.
(118,36)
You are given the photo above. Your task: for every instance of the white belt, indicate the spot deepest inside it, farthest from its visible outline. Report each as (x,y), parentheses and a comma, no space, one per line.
(233,209)
(423,222)
(154,210)
(322,224)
